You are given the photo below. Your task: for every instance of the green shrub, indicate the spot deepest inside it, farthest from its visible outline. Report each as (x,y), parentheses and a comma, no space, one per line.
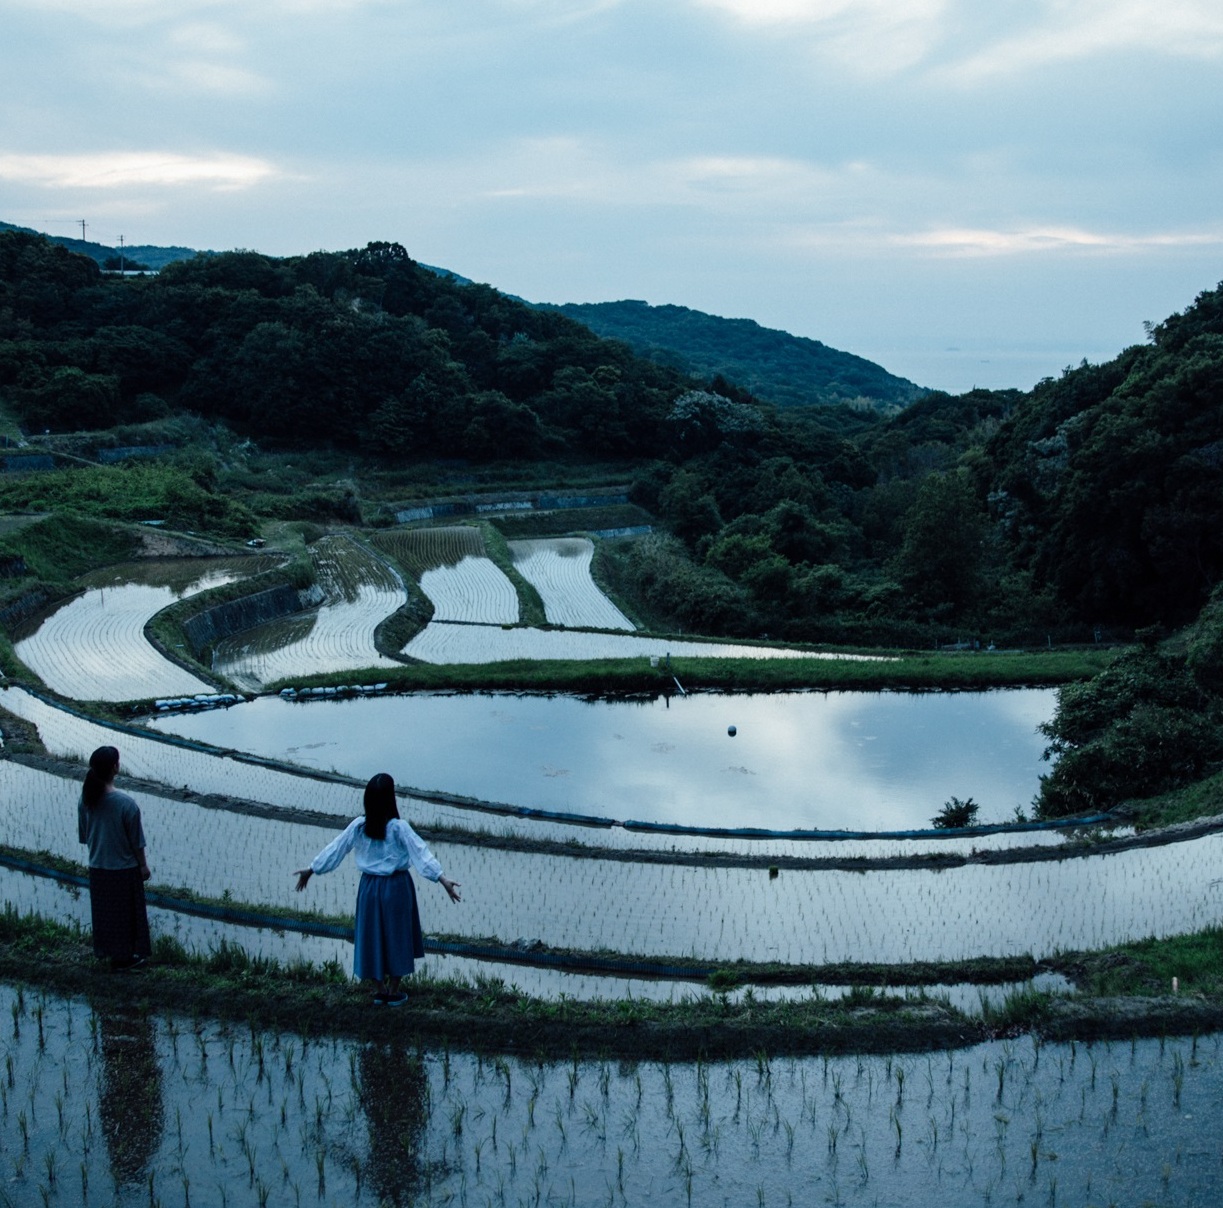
(956,814)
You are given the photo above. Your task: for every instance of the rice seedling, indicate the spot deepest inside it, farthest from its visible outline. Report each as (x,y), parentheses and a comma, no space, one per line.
(94,647)
(357,591)
(559,569)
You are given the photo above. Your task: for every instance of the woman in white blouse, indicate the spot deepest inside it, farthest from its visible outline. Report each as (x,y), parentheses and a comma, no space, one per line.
(388,939)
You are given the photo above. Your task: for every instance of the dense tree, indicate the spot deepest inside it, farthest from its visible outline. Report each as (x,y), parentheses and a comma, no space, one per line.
(940,562)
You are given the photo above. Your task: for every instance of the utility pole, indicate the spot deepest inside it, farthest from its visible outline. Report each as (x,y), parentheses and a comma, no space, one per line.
(120,255)
(82,230)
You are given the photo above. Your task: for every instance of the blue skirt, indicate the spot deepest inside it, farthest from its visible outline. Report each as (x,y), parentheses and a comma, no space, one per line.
(388,938)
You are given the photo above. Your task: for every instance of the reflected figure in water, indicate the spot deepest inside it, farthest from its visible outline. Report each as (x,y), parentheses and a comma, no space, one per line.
(393,1090)
(130,1105)
(388,940)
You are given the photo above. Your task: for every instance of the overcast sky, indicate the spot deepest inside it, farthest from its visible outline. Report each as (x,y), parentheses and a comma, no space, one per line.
(967,191)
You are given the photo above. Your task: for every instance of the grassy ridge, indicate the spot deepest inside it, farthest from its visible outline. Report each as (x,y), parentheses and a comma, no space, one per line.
(1147,967)
(491,1016)
(59,548)
(900,672)
(530,605)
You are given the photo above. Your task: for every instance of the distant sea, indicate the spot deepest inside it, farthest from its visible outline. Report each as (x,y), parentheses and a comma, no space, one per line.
(957,367)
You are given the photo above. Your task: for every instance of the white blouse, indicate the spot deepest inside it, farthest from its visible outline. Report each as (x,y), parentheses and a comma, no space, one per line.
(402,848)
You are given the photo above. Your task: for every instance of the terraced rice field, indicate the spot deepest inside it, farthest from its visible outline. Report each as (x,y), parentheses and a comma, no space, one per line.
(135,1107)
(94,648)
(456,573)
(423,549)
(860,761)
(714,913)
(710,913)
(559,569)
(475,590)
(444,643)
(203,771)
(359,592)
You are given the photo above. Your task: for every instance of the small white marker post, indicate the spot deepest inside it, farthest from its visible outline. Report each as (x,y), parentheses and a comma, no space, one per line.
(1176,985)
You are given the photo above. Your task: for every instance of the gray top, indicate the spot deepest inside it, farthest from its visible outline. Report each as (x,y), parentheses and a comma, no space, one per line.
(113,831)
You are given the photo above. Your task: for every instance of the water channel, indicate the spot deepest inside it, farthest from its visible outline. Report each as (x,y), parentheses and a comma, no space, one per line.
(873,761)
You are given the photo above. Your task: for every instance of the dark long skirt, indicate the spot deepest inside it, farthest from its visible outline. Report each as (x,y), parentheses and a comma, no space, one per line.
(117,913)
(388,938)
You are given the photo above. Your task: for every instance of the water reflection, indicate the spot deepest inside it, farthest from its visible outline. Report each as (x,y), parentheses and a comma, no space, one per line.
(393,1090)
(130,1094)
(840,760)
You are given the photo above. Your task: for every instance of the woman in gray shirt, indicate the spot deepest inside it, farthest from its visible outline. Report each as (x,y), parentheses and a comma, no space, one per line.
(109,822)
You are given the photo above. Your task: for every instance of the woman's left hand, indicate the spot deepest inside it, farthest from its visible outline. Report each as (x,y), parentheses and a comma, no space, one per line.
(451,887)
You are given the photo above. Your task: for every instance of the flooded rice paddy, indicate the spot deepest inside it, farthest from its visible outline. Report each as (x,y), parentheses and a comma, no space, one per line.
(358,592)
(454,570)
(476,590)
(559,569)
(444,643)
(110,1107)
(93,647)
(158,758)
(591,901)
(863,761)
(30,893)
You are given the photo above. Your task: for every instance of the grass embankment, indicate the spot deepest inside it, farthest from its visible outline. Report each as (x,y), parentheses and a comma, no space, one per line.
(1147,967)
(1201,800)
(165,629)
(228,984)
(131,492)
(612,677)
(530,605)
(54,550)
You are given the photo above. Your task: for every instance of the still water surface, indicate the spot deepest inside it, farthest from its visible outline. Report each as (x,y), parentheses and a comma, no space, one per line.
(131,1107)
(872,761)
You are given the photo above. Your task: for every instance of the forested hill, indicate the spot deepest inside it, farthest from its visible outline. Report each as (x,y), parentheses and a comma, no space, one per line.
(1094,499)
(774,365)
(131,256)
(363,350)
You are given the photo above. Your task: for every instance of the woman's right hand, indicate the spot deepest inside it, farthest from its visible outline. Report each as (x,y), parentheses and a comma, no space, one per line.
(303,876)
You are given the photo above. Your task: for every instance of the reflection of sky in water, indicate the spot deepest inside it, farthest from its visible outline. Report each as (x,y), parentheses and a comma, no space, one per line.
(94,648)
(854,760)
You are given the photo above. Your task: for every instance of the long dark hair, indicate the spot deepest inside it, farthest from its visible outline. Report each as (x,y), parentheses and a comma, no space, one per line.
(380,805)
(103,764)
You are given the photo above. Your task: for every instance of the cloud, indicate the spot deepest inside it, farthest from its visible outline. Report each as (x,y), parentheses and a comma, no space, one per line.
(1063,32)
(967,241)
(872,37)
(142,169)
(603,174)
(206,37)
(952,40)
(951,242)
(156,12)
